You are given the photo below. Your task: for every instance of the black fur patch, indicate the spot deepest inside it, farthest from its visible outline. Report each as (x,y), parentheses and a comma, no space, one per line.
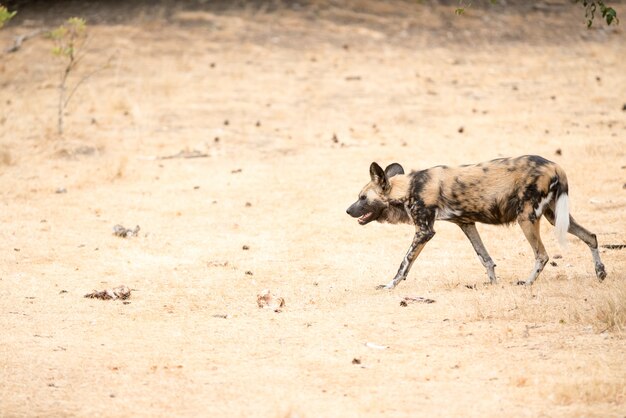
(505,212)
(539,161)
(533,196)
(418,180)
(424,219)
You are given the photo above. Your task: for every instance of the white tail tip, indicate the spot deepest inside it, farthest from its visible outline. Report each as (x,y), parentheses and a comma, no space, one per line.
(561,224)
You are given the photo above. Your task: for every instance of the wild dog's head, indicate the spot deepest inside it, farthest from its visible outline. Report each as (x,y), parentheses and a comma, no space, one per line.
(373,203)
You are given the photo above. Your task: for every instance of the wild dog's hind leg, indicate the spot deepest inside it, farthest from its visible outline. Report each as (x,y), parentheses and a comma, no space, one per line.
(586,237)
(531,231)
(472,234)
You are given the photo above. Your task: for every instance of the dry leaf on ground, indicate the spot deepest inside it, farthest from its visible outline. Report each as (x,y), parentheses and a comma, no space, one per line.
(120,292)
(265,299)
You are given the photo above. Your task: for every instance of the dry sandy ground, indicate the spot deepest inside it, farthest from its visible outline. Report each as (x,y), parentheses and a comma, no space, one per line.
(393,82)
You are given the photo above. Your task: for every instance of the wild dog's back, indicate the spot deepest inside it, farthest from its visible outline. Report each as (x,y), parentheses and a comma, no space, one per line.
(493,192)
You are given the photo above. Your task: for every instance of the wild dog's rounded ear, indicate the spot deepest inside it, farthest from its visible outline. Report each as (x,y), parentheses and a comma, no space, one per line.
(378,175)
(394,169)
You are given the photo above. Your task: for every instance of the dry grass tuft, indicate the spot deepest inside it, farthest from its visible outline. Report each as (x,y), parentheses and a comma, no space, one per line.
(610,308)
(578,302)
(594,391)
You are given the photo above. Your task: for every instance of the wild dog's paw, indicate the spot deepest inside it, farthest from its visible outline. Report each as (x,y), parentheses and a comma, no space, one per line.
(385,286)
(600,271)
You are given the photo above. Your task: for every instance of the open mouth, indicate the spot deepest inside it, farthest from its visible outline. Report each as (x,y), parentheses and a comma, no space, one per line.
(363,219)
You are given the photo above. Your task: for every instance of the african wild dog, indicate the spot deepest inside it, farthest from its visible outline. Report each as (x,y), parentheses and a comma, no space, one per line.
(496,192)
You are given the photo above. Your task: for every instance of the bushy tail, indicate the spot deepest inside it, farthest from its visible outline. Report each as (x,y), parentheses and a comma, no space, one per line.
(561,223)
(561,208)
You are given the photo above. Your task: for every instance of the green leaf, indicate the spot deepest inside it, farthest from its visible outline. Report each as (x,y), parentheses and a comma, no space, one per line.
(591,6)
(459,11)
(58,33)
(5,15)
(610,15)
(77,24)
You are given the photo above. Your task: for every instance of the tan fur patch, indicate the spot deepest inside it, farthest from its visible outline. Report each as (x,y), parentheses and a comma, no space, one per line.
(399,187)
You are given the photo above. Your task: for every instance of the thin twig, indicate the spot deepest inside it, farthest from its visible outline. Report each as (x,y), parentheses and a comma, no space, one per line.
(20,39)
(85,78)
(82,50)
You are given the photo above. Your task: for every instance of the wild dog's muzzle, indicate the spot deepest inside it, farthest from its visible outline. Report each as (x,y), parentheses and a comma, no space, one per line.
(364,212)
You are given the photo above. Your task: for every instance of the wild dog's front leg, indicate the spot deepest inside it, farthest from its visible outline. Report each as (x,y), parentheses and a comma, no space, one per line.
(424,232)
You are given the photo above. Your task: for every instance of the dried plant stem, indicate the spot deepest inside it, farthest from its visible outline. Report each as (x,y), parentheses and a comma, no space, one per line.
(63,88)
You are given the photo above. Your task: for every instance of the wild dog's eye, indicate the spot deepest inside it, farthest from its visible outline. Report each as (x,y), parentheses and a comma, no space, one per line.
(362,197)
